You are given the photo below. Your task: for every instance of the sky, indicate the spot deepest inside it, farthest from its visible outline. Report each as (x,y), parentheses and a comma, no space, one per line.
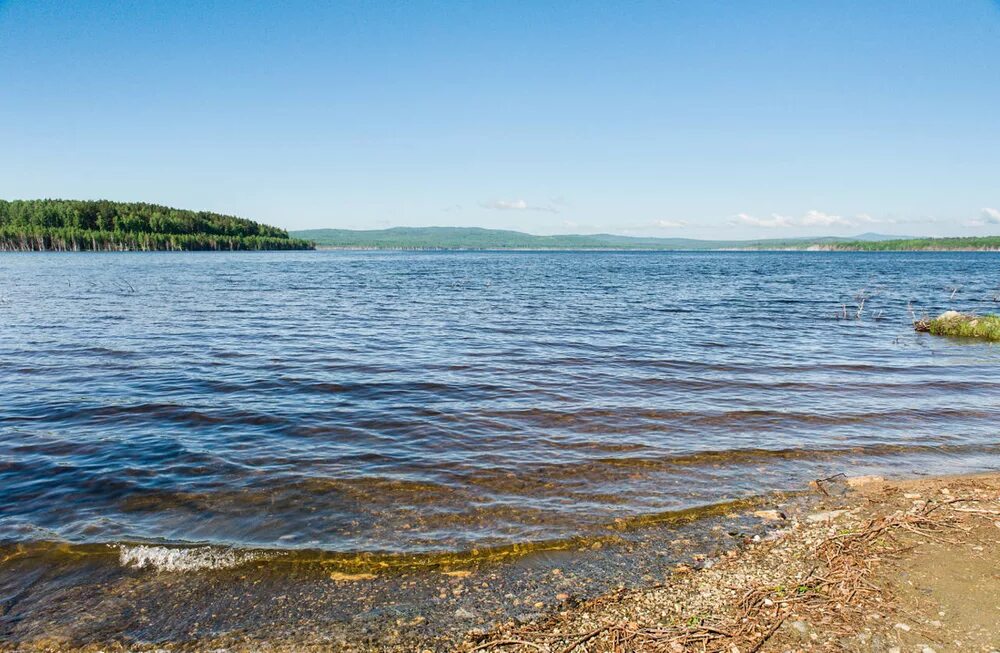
(676,119)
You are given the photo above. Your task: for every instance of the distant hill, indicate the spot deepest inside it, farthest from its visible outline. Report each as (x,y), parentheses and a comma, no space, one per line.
(74,225)
(879,237)
(477,238)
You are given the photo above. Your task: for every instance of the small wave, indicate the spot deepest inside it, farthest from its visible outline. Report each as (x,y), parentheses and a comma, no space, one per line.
(163,558)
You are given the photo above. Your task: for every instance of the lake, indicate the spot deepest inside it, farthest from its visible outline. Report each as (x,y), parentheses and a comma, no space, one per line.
(404,405)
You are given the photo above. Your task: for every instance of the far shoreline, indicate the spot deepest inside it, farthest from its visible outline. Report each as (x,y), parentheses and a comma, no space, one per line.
(330,248)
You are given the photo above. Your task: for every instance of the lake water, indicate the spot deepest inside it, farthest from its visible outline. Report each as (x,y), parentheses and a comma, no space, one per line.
(404,405)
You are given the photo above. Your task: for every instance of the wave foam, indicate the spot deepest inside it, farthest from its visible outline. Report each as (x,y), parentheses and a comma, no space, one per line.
(163,558)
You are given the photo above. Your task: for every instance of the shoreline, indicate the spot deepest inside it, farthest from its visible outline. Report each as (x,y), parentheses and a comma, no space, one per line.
(349,248)
(882,565)
(141,554)
(551,597)
(4,249)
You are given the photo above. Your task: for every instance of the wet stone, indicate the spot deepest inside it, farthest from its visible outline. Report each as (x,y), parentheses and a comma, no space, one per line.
(462,613)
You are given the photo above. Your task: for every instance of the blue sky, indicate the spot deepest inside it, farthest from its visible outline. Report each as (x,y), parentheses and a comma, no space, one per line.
(700,118)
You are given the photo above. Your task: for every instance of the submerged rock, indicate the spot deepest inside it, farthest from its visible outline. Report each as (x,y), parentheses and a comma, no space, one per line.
(462,613)
(341,577)
(953,323)
(861,481)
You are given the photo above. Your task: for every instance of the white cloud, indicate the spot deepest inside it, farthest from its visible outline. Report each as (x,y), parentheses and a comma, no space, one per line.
(811,218)
(774,221)
(986,217)
(669,224)
(863,219)
(517,205)
(509,205)
(819,219)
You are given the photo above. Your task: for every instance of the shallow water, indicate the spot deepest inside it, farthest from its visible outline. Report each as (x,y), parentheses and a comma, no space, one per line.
(406,405)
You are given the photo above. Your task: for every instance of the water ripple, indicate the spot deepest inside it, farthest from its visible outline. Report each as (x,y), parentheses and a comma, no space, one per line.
(442,402)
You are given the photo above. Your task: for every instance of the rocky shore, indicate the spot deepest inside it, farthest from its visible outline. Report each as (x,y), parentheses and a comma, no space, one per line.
(855,564)
(873,566)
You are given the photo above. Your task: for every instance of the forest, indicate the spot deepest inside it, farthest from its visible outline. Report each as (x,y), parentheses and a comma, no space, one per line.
(967,243)
(102,225)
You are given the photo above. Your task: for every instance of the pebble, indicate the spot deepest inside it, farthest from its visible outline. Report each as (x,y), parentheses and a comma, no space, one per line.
(829,515)
(911,495)
(462,613)
(769,515)
(927,649)
(801,626)
(861,481)
(903,627)
(562,596)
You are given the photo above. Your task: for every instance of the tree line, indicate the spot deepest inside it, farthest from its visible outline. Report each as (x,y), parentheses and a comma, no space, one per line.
(962,243)
(75,225)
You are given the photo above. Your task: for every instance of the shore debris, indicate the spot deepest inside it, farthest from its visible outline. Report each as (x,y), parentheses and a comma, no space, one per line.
(813,584)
